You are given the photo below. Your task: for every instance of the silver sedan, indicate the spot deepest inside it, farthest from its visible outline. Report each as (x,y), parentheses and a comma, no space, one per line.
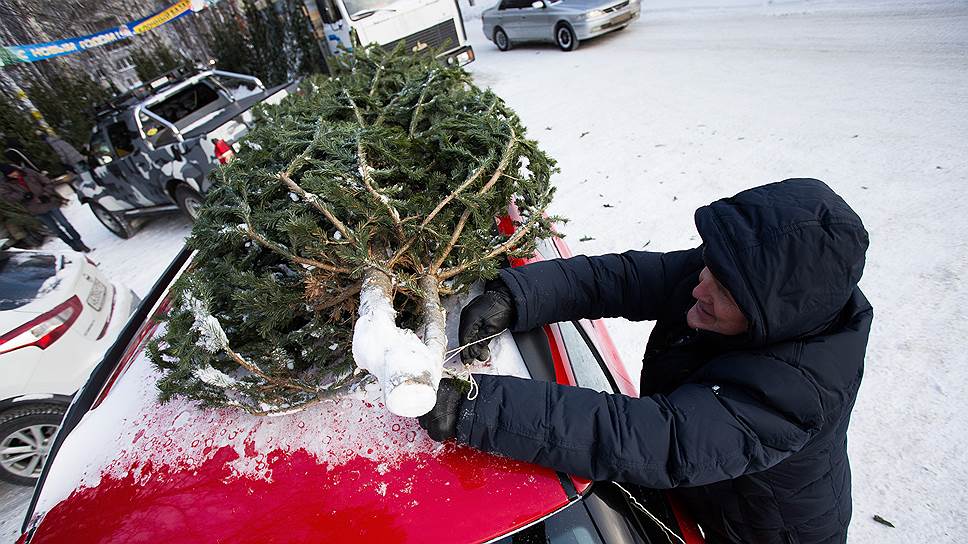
(564,22)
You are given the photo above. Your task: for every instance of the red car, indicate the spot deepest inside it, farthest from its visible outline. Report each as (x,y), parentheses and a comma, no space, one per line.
(125,468)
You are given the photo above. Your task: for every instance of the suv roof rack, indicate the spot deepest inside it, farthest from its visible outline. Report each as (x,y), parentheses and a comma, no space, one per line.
(123,101)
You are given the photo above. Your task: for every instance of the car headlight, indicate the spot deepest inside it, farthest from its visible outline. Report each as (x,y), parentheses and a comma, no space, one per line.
(594,13)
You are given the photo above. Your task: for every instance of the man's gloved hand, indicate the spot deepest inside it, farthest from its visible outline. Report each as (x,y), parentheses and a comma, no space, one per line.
(441,422)
(489,313)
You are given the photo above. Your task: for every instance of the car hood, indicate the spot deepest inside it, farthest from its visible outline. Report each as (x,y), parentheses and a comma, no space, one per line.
(347,470)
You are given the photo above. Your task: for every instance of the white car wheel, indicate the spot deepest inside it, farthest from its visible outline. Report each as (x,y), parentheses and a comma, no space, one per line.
(501,40)
(565,38)
(26,435)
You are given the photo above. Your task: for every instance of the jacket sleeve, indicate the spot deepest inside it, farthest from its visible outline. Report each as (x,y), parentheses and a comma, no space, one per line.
(699,434)
(44,185)
(633,285)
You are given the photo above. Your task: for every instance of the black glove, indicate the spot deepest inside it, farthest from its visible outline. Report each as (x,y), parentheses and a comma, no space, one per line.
(490,313)
(28,196)
(441,422)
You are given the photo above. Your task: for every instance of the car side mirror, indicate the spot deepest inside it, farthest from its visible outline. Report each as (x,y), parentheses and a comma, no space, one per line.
(538,4)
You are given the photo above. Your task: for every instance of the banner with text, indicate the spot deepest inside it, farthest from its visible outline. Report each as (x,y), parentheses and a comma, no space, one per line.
(10,54)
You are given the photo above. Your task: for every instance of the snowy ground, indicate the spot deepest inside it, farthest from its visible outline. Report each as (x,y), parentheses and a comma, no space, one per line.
(701,99)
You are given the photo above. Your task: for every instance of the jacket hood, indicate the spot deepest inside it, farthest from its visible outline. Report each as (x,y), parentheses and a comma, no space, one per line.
(790,253)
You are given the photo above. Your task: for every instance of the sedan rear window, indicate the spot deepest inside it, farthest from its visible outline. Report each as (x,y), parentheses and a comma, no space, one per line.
(22,275)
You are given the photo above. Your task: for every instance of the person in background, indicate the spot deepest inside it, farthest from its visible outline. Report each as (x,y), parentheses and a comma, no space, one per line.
(35,192)
(69,156)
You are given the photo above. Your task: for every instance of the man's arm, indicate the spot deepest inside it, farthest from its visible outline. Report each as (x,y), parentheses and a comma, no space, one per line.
(633,285)
(699,434)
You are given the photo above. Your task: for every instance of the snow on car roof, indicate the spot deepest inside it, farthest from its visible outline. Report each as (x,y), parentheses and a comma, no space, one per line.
(131,431)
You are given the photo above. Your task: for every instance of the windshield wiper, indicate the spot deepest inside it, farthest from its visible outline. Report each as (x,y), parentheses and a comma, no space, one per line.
(367,12)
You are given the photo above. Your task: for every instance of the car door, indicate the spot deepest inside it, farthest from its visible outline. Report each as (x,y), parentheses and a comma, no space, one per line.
(514,19)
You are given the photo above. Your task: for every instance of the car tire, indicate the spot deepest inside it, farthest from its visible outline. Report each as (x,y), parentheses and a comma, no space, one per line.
(189,201)
(565,38)
(26,435)
(114,222)
(501,39)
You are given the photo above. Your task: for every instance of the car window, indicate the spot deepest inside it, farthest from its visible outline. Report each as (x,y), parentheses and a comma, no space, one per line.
(516,4)
(120,138)
(100,148)
(585,362)
(22,276)
(185,102)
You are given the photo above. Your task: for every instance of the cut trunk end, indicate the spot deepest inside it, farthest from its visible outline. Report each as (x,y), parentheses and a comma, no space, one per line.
(411,399)
(407,368)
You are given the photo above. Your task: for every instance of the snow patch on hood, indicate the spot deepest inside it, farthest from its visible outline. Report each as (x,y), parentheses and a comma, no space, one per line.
(131,432)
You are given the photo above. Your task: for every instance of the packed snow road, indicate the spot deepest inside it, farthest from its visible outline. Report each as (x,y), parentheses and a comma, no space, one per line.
(692,103)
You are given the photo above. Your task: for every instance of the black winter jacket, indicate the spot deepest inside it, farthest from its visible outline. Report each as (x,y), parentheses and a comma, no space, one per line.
(749,431)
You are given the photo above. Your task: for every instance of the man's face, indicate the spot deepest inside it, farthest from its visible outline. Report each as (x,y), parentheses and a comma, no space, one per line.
(715,310)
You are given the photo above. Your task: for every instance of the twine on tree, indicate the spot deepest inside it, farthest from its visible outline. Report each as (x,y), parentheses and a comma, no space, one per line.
(466,374)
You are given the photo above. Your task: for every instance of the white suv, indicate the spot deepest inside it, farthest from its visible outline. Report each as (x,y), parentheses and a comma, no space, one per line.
(58,315)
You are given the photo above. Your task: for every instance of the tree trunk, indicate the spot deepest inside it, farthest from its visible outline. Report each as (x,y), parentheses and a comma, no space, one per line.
(408,368)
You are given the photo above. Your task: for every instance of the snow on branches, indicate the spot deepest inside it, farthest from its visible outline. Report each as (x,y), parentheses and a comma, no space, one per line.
(371,193)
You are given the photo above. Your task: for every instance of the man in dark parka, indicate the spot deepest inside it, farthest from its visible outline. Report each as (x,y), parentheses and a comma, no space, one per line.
(746,424)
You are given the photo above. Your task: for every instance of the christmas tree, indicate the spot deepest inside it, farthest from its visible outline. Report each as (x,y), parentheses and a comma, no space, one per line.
(326,246)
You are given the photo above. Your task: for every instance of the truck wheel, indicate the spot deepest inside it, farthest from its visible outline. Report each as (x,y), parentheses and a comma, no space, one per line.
(26,435)
(565,38)
(189,201)
(501,39)
(114,222)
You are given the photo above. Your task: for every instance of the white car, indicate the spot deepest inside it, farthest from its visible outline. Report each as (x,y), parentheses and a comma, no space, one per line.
(58,316)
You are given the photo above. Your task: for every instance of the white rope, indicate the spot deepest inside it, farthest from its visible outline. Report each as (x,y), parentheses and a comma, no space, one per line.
(451,353)
(466,374)
(467,377)
(667,530)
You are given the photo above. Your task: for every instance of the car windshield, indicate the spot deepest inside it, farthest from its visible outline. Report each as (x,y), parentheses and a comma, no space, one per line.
(358,9)
(22,275)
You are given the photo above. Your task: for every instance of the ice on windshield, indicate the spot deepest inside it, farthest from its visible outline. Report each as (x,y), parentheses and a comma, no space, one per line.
(23,277)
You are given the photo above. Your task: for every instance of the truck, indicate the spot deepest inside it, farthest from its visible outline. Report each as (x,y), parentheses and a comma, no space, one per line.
(152,150)
(419,25)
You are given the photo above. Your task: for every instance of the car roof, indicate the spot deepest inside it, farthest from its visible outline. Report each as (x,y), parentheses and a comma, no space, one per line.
(134,468)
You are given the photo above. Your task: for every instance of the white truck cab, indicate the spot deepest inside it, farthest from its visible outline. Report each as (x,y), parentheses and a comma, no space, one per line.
(419,24)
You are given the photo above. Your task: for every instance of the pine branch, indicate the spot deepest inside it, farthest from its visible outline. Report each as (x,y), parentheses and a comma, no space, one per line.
(499,250)
(440,206)
(341,298)
(376,79)
(318,204)
(366,173)
(462,222)
(313,145)
(420,103)
(276,248)
(251,367)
